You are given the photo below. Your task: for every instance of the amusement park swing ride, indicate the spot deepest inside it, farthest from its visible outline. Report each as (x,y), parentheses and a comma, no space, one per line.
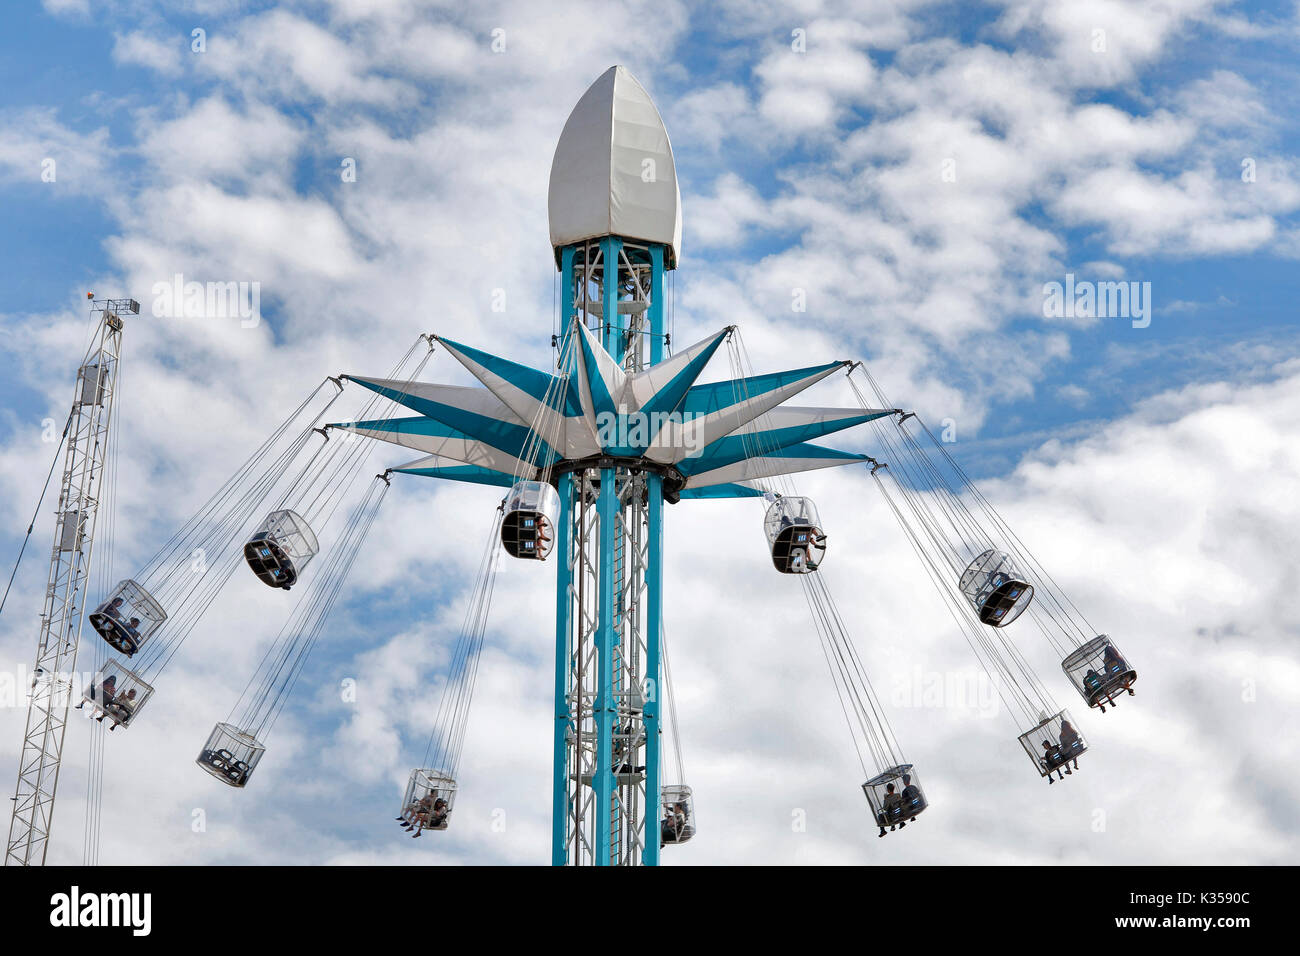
(589,456)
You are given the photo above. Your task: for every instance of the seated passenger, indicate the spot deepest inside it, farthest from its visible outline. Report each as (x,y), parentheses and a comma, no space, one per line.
(813,537)
(1092,684)
(674,827)
(133,634)
(421,820)
(103,695)
(122,708)
(668,827)
(438,816)
(1052,760)
(912,800)
(893,806)
(1069,743)
(1115,665)
(113,608)
(417,812)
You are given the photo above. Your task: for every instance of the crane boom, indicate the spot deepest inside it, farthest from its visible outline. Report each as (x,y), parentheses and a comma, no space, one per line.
(85,449)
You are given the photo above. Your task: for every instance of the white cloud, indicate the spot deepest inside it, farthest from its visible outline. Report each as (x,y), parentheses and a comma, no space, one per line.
(66,6)
(1192,214)
(705,117)
(1224,100)
(918,219)
(1103,42)
(807,89)
(211,140)
(1073,394)
(730,214)
(293,57)
(152,52)
(36,148)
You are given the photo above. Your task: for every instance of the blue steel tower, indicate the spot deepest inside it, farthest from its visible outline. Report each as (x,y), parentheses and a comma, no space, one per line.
(620,429)
(613,247)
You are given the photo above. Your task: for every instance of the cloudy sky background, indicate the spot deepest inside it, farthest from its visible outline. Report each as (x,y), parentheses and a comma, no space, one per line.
(1152,470)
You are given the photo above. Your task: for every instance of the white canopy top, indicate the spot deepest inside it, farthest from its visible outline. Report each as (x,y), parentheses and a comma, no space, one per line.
(615,137)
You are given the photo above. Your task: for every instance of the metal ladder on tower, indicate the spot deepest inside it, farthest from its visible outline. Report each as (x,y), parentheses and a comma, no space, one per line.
(626,753)
(84,455)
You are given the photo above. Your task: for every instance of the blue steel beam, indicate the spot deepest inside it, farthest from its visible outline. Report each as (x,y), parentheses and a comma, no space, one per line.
(605,634)
(654,588)
(563,609)
(563,606)
(612,338)
(654,628)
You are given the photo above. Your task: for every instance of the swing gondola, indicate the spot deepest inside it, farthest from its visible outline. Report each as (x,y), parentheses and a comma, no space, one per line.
(428,801)
(1054,745)
(794,535)
(1099,672)
(678,807)
(230,755)
(116,694)
(280,549)
(995,588)
(895,797)
(530,517)
(128,617)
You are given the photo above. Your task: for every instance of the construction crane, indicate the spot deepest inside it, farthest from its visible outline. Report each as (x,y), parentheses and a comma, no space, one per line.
(85,448)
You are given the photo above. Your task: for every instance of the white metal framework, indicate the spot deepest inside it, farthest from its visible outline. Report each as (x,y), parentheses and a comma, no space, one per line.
(85,449)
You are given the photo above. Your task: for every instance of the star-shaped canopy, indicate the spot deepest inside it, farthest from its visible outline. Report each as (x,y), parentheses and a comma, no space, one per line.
(720,438)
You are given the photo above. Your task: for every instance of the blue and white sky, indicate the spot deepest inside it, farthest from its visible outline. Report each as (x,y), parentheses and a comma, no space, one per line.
(919,170)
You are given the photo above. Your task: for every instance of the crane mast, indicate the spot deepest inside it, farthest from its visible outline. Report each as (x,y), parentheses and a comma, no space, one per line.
(85,447)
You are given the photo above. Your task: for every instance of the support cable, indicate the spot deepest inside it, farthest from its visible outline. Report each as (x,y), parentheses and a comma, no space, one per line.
(58,453)
(864,714)
(451,719)
(946,535)
(273,681)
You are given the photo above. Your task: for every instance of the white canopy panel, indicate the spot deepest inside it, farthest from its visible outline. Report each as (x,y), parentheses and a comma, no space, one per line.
(462,450)
(752,470)
(615,137)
